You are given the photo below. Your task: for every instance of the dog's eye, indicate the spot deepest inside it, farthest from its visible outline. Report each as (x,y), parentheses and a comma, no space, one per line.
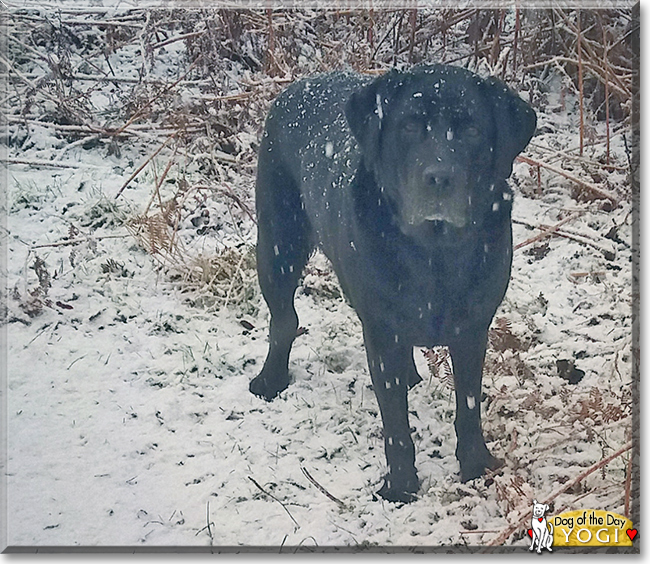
(472,133)
(412,126)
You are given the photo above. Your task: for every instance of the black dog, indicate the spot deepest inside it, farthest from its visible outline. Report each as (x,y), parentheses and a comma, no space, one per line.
(401,181)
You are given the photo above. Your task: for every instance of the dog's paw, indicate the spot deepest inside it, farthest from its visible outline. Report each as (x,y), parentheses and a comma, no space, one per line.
(475,467)
(267,388)
(399,491)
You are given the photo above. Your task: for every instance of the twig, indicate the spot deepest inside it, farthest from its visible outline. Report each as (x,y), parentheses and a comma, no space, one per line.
(228,97)
(95,131)
(54,164)
(144,164)
(413,17)
(524,515)
(159,184)
(29,83)
(178,38)
(605,57)
(579,238)
(618,85)
(38,54)
(606,194)
(270,43)
(516,40)
(275,499)
(140,111)
(208,525)
(580,84)
(548,231)
(321,488)
(207,518)
(628,486)
(228,191)
(79,22)
(554,153)
(265,81)
(76,241)
(156,191)
(573,502)
(105,78)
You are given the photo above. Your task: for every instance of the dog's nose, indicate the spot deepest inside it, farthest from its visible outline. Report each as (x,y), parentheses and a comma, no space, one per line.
(437,177)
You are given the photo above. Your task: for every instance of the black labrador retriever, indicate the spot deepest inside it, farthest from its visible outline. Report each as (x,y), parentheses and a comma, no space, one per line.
(401,180)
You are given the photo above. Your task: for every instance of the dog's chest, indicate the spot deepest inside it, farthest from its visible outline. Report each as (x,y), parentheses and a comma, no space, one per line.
(425,299)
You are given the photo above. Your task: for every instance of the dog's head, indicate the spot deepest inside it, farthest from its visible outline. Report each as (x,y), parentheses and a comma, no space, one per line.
(539,509)
(440,141)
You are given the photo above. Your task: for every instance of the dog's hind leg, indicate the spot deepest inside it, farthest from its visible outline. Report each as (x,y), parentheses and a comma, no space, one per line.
(283,248)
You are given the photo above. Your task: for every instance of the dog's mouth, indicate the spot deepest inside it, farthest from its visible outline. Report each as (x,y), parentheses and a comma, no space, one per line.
(420,209)
(439,220)
(436,228)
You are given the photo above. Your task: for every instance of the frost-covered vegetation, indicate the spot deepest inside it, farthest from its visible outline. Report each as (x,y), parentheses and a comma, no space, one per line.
(135,321)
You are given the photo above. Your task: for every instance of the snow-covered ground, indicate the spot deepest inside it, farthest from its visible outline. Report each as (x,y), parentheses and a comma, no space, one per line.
(130,422)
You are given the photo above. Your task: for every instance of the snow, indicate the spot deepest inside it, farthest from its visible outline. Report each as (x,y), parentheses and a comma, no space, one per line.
(129,418)
(379,109)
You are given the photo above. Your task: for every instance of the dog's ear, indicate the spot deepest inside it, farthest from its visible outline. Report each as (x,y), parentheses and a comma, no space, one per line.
(515,123)
(534,502)
(365,111)
(547,508)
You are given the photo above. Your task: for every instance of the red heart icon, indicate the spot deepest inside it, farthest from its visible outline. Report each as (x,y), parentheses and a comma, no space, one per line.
(540,519)
(530,533)
(631,533)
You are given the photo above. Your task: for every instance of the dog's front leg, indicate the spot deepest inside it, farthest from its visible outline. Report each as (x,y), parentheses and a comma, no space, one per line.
(467,353)
(390,366)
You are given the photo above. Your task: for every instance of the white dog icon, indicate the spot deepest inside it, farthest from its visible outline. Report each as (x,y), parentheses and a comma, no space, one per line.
(540,528)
